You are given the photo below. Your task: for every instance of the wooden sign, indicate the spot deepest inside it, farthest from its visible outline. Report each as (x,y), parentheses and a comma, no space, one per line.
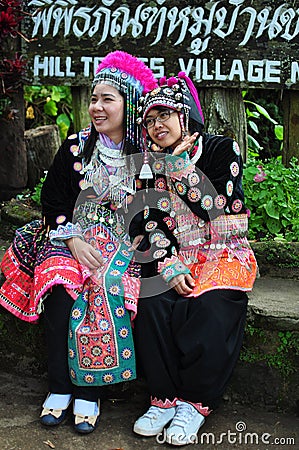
(232,43)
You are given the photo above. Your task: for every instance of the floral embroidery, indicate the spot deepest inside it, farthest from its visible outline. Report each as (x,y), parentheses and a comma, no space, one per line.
(207,202)
(229,188)
(126,353)
(86,361)
(115,273)
(89,378)
(160,185)
(104,324)
(110,247)
(193,179)
(98,301)
(146,212)
(237,206)
(138,184)
(84,339)
(74,150)
(77,166)
(234,168)
(108,378)
(60,219)
(114,289)
(236,148)
(220,201)
(179,163)
(179,267)
(170,222)
(109,360)
(123,332)
(77,313)
(194,194)
(164,204)
(126,374)
(151,225)
(96,350)
(119,311)
(168,272)
(163,243)
(159,254)
(106,338)
(120,263)
(181,188)
(158,166)
(170,166)
(155,237)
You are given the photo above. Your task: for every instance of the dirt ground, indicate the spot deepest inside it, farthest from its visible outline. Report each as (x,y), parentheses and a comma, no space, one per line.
(232,426)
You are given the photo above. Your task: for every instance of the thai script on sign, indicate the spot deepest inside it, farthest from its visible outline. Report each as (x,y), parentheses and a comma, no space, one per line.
(196,24)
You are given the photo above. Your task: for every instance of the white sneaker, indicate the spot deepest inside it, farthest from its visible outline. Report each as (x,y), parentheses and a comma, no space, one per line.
(185,425)
(153,421)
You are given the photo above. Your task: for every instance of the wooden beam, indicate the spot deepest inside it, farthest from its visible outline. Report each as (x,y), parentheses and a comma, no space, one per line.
(291,126)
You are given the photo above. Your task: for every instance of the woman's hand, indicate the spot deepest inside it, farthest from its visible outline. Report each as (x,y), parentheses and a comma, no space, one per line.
(136,241)
(183,283)
(185,145)
(84,253)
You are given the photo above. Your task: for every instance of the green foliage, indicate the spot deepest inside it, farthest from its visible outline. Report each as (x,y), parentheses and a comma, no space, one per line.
(35,196)
(46,105)
(265,132)
(273,201)
(279,351)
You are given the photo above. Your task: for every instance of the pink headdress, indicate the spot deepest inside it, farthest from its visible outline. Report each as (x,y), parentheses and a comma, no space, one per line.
(126,70)
(130,76)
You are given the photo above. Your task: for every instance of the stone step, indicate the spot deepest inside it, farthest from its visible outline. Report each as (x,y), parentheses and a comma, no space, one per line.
(274,303)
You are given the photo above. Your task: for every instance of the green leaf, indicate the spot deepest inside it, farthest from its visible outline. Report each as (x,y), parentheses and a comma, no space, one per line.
(253,143)
(50,108)
(273,226)
(253,126)
(278,130)
(63,119)
(271,210)
(56,94)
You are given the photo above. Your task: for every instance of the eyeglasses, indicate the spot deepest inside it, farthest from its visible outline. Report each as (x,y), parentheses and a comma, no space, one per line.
(161,117)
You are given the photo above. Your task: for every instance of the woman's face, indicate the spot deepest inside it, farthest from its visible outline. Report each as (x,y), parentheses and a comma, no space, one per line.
(106,110)
(165,133)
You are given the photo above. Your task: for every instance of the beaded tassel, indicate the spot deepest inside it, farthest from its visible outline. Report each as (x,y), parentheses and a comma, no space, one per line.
(146,171)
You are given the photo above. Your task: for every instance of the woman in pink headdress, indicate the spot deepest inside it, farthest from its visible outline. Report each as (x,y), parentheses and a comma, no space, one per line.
(78,263)
(190,322)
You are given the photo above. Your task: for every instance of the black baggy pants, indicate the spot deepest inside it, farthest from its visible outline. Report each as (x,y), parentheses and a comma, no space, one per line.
(188,347)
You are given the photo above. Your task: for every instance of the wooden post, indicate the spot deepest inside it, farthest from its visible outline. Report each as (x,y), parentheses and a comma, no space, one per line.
(291,126)
(13,157)
(224,113)
(81,100)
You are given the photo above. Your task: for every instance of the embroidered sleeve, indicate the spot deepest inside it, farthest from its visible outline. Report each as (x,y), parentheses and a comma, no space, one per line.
(171,267)
(179,166)
(63,232)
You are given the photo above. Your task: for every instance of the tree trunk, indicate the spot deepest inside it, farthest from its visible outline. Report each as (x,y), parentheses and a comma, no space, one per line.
(291,126)
(13,158)
(81,100)
(42,144)
(224,113)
